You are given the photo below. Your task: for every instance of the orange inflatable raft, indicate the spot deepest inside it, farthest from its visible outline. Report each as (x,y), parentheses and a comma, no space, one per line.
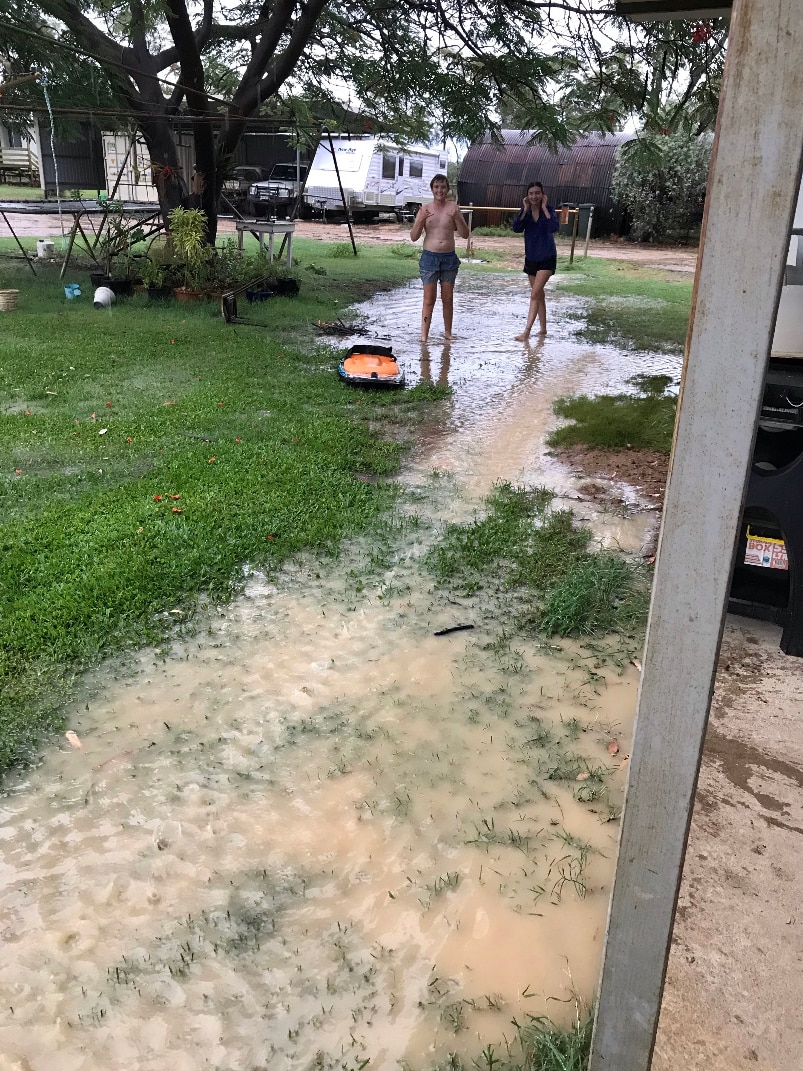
(371,365)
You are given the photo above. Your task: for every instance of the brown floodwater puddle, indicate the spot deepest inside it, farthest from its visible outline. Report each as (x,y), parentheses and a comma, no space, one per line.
(317,834)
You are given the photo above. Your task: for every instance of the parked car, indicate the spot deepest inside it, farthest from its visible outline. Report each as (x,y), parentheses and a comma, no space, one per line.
(278,195)
(235,189)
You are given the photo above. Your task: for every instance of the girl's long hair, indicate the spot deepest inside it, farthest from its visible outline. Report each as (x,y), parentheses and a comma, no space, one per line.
(540,186)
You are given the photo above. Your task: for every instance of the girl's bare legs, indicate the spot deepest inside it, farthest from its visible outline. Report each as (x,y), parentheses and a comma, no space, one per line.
(537,309)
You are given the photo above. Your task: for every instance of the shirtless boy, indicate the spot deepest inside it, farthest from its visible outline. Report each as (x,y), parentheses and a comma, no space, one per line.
(438,221)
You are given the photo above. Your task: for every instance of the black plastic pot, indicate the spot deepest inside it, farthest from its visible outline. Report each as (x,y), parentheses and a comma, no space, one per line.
(120,287)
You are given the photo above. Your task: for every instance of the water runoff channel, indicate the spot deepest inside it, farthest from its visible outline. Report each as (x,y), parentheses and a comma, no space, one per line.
(315,834)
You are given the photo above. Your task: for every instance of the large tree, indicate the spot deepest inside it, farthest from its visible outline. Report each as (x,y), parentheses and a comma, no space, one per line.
(413,68)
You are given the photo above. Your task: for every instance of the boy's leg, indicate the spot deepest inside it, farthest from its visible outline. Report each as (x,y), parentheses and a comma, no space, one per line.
(430,294)
(447,300)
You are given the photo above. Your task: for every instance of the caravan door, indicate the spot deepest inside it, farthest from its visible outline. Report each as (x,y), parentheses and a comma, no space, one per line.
(390,160)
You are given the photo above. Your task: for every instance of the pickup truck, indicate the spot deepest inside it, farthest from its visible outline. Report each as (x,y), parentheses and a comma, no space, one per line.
(277,195)
(235,188)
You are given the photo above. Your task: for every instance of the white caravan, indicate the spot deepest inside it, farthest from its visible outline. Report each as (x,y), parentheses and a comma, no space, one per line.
(376,177)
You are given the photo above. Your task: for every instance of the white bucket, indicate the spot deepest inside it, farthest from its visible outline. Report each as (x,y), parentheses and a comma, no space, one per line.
(45,249)
(104,298)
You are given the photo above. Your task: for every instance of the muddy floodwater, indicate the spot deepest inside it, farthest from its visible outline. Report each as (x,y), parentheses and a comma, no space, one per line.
(315,834)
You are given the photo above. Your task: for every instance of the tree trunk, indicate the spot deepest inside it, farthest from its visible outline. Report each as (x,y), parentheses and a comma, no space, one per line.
(208,180)
(171,184)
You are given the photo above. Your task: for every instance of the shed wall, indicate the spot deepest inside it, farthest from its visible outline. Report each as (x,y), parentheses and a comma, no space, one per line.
(496,177)
(80,159)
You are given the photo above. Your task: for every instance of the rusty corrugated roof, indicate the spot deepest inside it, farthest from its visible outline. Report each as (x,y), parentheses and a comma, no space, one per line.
(497,175)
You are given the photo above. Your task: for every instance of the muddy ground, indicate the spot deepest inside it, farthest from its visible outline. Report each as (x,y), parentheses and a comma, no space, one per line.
(734,984)
(733,988)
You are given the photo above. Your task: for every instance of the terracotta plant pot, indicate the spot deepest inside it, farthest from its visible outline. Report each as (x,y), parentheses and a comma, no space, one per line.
(180,294)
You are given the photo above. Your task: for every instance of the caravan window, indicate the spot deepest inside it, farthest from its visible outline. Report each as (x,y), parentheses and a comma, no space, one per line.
(349,158)
(401,166)
(388,167)
(416,168)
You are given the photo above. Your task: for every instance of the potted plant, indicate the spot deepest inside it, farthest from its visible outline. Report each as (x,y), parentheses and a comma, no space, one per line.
(153,278)
(115,240)
(188,233)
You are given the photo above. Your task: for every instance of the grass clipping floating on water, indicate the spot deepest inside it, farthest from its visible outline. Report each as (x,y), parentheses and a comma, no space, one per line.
(526,549)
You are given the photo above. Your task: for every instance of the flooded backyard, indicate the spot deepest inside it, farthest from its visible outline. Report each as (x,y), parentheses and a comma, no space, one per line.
(316,833)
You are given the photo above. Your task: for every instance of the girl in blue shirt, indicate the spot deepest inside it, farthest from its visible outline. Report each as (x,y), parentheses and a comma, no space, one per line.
(538,221)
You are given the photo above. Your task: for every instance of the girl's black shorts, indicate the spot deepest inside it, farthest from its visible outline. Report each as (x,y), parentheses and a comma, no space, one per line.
(532,267)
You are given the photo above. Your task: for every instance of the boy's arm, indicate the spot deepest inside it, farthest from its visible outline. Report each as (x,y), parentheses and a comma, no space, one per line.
(460,224)
(417,228)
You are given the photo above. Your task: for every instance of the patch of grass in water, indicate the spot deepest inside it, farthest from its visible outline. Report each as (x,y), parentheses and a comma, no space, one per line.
(538,553)
(539,1045)
(657,319)
(644,421)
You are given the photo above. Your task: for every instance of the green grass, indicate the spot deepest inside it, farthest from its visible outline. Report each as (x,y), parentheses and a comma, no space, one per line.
(644,421)
(106,415)
(494,232)
(629,306)
(539,1045)
(526,549)
(11,192)
(549,1048)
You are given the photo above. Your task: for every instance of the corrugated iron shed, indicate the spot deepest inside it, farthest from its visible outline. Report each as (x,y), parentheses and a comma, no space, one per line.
(497,176)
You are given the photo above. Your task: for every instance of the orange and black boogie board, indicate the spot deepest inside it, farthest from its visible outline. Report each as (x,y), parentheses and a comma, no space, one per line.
(371,365)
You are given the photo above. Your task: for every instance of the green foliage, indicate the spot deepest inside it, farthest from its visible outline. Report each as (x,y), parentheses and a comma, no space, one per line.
(539,1045)
(117,238)
(188,227)
(547,1047)
(340,249)
(668,76)
(412,72)
(525,547)
(644,421)
(405,250)
(661,181)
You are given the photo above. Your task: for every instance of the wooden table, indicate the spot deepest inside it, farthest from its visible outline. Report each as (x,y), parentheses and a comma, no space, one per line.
(260,227)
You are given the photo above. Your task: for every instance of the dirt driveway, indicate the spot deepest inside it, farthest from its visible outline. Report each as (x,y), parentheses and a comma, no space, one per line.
(668,258)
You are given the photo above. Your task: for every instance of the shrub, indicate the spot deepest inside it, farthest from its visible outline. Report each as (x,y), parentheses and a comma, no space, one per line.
(660,179)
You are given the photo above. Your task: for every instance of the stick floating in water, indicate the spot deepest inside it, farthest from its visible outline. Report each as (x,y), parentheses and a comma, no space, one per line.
(453,628)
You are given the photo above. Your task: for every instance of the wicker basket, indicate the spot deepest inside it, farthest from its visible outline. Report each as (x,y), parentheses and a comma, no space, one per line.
(8,300)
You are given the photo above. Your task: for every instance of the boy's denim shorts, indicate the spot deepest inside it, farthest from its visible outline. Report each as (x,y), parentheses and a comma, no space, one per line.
(438,267)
